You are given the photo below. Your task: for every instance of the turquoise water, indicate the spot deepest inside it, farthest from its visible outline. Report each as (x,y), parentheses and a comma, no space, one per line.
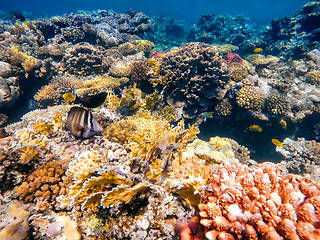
(261,11)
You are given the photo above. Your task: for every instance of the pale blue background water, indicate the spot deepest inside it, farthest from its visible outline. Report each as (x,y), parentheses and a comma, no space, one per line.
(189,10)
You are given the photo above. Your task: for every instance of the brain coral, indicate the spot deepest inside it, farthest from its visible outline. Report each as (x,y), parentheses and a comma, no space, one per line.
(242,202)
(195,76)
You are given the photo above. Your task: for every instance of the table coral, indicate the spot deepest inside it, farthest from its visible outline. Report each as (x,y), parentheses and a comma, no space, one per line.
(196,76)
(259,202)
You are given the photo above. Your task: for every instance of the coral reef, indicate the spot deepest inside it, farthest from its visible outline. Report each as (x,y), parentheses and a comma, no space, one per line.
(249,98)
(191,70)
(248,202)
(301,156)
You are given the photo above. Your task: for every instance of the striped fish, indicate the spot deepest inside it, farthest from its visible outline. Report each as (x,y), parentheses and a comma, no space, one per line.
(81,123)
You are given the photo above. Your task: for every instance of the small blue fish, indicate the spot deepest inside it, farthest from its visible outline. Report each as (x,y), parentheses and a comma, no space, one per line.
(206,115)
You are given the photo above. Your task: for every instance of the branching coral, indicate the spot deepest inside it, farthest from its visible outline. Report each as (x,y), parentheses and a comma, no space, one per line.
(42,127)
(195,76)
(247,202)
(238,71)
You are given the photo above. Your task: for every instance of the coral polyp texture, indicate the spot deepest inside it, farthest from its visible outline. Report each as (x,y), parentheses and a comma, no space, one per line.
(191,71)
(241,202)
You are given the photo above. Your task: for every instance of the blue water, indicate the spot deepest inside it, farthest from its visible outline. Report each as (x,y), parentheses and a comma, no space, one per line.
(188,10)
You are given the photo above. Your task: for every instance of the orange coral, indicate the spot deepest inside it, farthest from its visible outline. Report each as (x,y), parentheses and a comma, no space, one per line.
(45,184)
(242,202)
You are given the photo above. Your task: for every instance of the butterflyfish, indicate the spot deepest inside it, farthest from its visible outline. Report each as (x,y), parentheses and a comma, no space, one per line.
(283,123)
(82,124)
(277,142)
(92,101)
(69,97)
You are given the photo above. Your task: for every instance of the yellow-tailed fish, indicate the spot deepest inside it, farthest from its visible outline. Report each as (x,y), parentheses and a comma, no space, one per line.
(206,115)
(257,50)
(255,128)
(81,123)
(283,124)
(69,97)
(277,142)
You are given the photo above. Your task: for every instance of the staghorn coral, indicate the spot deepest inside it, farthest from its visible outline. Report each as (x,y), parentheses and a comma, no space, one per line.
(151,129)
(45,184)
(259,202)
(83,59)
(100,83)
(276,104)
(120,131)
(313,77)
(195,76)
(249,98)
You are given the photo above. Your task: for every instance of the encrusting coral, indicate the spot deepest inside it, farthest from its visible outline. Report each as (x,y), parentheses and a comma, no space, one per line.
(241,202)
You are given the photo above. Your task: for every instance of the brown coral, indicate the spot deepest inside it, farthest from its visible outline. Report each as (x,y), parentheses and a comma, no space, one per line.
(247,202)
(196,76)
(83,59)
(238,71)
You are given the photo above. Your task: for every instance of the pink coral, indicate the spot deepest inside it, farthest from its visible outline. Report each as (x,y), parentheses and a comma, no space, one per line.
(242,202)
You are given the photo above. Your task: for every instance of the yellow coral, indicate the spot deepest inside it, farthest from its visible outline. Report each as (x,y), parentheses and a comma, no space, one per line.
(238,71)
(57,120)
(100,83)
(120,131)
(42,127)
(313,77)
(224,48)
(28,153)
(258,59)
(144,46)
(249,98)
